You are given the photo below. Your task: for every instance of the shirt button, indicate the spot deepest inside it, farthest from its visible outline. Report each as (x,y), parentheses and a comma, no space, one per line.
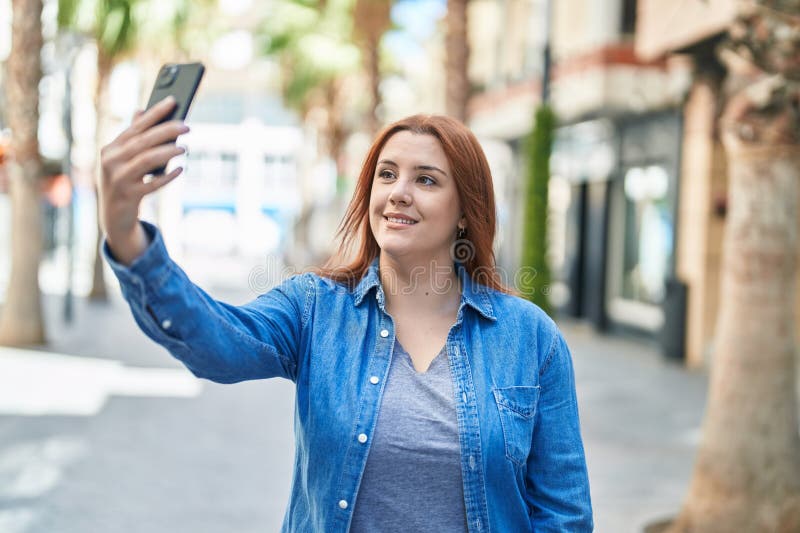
(472,462)
(342,504)
(166,324)
(362,438)
(374,380)
(464,396)
(384,333)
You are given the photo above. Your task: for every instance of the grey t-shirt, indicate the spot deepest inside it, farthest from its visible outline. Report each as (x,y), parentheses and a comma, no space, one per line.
(412,480)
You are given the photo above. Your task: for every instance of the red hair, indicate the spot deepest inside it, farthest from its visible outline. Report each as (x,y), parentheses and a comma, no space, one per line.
(473,181)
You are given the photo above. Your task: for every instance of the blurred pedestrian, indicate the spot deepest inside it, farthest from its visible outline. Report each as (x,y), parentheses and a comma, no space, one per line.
(428,396)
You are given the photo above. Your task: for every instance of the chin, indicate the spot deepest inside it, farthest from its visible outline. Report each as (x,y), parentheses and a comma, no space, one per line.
(394,248)
(397,249)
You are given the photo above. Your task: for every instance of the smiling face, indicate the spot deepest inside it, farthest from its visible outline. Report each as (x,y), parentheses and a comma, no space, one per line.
(414,208)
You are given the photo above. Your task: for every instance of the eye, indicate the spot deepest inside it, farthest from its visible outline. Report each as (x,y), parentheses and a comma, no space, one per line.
(386,174)
(426,180)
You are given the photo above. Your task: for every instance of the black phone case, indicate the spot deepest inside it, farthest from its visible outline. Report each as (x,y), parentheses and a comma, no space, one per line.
(180,81)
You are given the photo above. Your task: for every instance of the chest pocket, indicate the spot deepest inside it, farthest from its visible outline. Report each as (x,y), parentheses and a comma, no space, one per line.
(517,407)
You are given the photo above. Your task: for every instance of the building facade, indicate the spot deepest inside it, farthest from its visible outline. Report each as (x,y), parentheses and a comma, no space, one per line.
(639,178)
(614,190)
(694,30)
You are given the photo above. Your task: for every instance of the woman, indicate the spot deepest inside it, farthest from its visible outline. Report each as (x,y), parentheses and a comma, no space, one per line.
(429,398)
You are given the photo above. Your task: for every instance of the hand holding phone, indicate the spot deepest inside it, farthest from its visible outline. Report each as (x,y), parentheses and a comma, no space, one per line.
(180,81)
(144,148)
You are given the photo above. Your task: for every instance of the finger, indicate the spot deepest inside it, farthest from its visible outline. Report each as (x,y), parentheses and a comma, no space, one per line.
(119,151)
(164,133)
(156,183)
(149,117)
(130,131)
(154,114)
(135,169)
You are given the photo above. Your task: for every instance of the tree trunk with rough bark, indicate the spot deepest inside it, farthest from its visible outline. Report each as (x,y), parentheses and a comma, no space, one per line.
(747,472)
(21,320)
(457,60)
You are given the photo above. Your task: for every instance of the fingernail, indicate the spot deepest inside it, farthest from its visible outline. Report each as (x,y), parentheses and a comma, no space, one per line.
(169,99)
(185,129)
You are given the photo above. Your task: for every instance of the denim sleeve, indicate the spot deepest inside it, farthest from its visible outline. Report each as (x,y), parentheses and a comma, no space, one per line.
(557,481)
(215,340)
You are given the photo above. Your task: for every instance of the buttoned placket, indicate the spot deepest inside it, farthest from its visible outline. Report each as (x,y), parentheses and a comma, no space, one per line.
(468,431)
(356,458)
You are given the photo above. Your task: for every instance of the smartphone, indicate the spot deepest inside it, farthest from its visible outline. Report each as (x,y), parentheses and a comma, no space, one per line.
(181,81)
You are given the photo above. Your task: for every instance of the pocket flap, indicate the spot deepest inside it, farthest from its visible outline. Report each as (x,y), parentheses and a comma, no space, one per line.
(521,400)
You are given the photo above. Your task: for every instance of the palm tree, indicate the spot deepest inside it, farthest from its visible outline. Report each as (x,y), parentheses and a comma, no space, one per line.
(313,42)
(21,320)
(457,60)
(372,19)
(747,472)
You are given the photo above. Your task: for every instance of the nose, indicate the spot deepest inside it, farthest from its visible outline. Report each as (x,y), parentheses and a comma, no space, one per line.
(400,193)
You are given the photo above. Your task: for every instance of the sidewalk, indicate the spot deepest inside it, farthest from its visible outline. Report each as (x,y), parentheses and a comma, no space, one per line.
(640,418)
(640,414)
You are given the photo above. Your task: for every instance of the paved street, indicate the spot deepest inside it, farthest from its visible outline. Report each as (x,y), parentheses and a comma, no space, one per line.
(126,441)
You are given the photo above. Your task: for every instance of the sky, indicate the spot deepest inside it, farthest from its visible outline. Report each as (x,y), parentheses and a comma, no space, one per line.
(417,21)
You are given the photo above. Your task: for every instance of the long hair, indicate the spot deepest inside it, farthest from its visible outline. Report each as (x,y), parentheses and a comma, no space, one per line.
(473,180)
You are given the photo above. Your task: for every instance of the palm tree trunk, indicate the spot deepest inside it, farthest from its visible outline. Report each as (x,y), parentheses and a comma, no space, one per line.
(747,472)
(372,66)
(104,68)
(372,18)
(457,60)
(21,320)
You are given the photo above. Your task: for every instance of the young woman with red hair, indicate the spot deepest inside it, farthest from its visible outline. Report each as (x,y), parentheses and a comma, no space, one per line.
(428,396)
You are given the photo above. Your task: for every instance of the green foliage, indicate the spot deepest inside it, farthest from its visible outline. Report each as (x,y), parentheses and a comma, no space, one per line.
(116,28)
(109,22)
(538,145)
(120,26)
(313,42)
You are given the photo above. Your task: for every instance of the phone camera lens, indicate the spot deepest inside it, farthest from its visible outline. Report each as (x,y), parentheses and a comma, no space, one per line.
(167,75)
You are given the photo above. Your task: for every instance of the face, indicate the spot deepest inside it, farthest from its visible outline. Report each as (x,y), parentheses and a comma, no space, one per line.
(414,208)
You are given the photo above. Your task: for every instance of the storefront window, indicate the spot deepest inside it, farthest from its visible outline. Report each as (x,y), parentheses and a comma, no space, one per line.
(648,234)
(562,235)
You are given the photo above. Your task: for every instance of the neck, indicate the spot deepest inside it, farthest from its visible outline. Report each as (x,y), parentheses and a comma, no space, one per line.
(431,286)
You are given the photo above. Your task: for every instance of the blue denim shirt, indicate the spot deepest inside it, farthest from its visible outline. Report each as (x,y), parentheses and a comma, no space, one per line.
(522,458)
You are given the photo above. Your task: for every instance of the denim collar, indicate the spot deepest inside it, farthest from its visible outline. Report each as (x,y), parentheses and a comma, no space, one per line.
(473,294)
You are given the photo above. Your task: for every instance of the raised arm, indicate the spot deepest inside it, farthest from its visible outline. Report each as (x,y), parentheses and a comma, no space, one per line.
(557,480)
(215,340)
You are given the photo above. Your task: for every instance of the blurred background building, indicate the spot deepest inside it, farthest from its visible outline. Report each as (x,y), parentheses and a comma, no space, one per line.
(615,160)
(638,186)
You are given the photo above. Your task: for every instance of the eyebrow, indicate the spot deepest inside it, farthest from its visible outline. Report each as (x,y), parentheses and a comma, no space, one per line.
(418,167)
